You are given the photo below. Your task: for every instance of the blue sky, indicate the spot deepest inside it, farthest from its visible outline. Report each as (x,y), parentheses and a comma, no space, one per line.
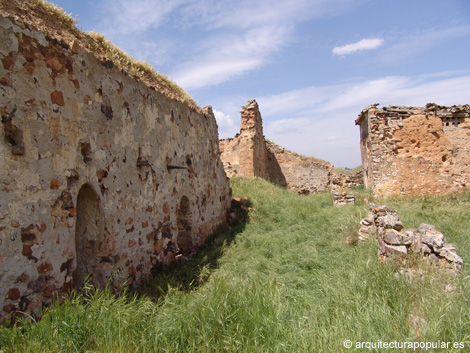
(312,65)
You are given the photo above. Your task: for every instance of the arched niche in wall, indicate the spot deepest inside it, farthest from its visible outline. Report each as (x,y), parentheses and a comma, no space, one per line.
(184,222)
(88,236)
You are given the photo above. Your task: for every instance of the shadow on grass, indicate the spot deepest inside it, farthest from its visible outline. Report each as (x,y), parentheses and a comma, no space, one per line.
(187,275)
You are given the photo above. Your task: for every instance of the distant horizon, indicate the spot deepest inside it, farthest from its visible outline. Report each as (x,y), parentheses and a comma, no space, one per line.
(312,65)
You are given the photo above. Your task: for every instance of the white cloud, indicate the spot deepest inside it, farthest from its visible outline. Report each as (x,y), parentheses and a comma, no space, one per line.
(287,126)
(225,123)
(364,44)
(209,42)
(128,17)
(297,100)
(229,56)
(325,127)
(410,44)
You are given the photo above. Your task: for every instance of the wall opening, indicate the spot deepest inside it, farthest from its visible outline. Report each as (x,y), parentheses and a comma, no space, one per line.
(184,222)
(452,121)
(88,233)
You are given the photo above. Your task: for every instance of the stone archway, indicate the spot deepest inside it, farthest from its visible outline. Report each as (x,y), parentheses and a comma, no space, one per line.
(184,222)
(88,233)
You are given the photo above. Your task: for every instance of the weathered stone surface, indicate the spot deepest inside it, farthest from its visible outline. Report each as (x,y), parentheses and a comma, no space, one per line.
(249,154)
(65,200)
(423,228)
(415,151)
(449,253)
(57,97)
(393,237)
(382,222)
(400,251)
(343,199)
(434,239)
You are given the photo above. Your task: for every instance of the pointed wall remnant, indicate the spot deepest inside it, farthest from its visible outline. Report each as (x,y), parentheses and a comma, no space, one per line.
(249,154)
(252,146)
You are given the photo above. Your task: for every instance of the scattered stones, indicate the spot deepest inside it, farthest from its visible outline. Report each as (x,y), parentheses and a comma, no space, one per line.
(394,241)
(343,199)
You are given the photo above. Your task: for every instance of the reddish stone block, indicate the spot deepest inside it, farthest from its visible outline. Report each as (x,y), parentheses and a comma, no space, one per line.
(145,224)
(166,208)
(55,184)
(8,308)
(57,98)
(13,294)
(49,291)
(54,64)
(29,66)
(45,267)
(27,249)
(6,81)
(7,62)
(131,243)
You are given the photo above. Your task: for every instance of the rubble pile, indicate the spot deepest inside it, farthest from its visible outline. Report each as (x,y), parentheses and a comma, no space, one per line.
(395,241)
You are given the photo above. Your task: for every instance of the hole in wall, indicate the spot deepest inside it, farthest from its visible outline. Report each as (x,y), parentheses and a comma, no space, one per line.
(85,150)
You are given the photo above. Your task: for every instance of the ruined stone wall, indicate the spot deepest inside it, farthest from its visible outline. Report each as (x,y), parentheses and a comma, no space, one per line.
(248,150)
(249,154)
(415,151)
(99,173)
(299,173)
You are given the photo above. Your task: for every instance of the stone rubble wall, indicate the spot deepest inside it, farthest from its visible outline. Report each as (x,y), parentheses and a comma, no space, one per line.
(394,241)
(415,151)
(249,154)
(99,172)
(343,199)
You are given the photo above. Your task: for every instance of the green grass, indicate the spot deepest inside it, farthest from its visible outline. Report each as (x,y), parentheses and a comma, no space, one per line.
(286,279)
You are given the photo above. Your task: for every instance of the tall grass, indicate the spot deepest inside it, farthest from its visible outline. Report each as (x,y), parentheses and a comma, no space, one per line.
(286,281)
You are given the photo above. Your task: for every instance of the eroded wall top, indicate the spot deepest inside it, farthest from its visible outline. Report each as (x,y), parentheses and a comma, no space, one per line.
(415,150)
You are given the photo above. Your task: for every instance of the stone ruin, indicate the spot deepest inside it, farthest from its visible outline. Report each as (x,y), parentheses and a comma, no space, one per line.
(343,199)
(100,174)
(394,241)
(415,151)
(249,154)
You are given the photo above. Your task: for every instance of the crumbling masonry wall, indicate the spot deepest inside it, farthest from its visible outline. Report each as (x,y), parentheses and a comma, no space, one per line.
(415,151)
(100,174)
(249,154)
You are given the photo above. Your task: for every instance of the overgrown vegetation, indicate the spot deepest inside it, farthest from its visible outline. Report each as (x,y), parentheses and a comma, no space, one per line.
(286,281)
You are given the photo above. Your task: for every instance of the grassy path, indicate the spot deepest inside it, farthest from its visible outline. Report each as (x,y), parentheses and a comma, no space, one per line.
(287,280)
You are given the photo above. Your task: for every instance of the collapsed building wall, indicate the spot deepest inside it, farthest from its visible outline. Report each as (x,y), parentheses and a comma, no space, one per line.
(249,154)
(415,151)
(100,173)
